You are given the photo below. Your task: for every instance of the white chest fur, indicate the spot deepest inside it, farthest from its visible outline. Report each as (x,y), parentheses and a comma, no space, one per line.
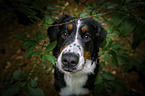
(76,81)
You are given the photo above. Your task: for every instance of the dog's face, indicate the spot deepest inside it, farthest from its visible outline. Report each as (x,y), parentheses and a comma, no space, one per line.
(77,42)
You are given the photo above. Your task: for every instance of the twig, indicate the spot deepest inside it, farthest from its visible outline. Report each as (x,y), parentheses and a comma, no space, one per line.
(65,5)
(80,19)
(33,68)
(32,71)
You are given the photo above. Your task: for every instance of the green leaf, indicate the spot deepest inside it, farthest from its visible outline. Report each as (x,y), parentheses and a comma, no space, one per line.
(22,83)
(114,58)
(35,91)
(103,44)
(98,79)
(108,76)
(116,45)
(39,36)
(102,65)
(117,18)
(48,19)
(50,7)
(138,35)
(88,7)
(29,51)
(36,52)
(84,14)
(109,5)
(50,46)
(55,12)
(107,57)
(50,58)
(33,83)
(43,58)
(115,34)
(109,45)
(21,37)
(11,90)
(114,61)
(127,26)
(19,75)
(122,60)
(121,51)
(112,52)
(29,43)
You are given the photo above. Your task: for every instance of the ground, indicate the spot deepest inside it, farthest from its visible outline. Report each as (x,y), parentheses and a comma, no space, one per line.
(12,57)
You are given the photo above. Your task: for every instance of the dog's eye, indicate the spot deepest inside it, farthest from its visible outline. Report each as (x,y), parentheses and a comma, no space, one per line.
(64,35)
(87,37)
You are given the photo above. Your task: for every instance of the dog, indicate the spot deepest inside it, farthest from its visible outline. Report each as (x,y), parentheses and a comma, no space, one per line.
(76,51)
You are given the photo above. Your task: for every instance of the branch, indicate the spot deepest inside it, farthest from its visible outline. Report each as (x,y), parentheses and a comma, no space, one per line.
(63,8)
(31,71)
(80,19)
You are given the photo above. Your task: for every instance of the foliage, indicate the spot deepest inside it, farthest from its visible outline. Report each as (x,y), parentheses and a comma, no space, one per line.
(122,20)
(37,47)
(20,77)
(22,81)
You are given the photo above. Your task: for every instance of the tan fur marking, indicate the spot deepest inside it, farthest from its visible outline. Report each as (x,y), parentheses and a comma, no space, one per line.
(84,28)
(63,47)
(87,55)
(70,26)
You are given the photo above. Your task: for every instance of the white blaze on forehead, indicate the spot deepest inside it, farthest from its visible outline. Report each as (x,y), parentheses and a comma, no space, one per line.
(77,32)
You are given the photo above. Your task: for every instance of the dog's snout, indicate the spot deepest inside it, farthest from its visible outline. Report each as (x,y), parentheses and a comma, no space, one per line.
(70,59)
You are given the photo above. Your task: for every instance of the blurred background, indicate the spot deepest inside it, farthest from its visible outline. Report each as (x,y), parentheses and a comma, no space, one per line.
(26,59)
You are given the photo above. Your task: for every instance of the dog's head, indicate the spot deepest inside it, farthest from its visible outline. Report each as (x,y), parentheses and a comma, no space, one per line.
(77,42)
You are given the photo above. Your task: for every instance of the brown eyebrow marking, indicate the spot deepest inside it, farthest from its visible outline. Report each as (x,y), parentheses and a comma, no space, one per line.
(84,28)
(70,26)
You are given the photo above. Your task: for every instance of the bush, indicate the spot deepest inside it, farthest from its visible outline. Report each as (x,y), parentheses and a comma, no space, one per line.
(120,20)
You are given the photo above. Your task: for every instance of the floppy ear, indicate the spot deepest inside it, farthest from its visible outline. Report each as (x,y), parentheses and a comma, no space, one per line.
(53,31)
(100,32)
(100,35)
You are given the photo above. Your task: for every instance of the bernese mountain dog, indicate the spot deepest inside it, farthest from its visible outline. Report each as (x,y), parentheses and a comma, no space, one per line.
(76,51)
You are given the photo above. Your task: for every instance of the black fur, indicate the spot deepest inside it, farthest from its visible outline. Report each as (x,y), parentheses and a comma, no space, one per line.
(59,80)
(54,32)
(98,33)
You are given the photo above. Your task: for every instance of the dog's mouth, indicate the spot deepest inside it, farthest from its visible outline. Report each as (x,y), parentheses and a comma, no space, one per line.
(69,69)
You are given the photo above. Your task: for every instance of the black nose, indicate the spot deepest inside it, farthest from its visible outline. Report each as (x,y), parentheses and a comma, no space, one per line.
(70,59)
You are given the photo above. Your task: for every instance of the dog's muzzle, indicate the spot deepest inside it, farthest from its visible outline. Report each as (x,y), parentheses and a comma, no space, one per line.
(71,58)
(70,61)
